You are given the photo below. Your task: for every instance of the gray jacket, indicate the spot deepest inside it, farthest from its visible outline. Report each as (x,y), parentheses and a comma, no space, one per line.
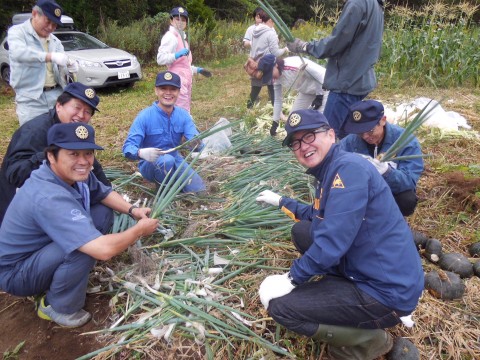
(352,48)
(265,41)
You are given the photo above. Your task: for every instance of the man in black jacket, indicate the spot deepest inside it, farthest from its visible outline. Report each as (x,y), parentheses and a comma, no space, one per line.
(77,103)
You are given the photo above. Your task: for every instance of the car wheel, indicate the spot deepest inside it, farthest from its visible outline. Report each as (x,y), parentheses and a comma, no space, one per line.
(6,74)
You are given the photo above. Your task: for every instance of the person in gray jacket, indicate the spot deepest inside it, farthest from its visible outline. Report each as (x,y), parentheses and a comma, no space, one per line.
(264,42)
(352,49)
(38,62)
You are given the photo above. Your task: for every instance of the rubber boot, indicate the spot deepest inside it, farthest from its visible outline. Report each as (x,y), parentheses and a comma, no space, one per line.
(346,343)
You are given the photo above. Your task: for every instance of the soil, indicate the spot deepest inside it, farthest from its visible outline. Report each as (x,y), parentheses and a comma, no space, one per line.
(45,339)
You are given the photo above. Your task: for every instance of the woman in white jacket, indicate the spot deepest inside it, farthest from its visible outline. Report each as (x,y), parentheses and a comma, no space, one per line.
(306,77)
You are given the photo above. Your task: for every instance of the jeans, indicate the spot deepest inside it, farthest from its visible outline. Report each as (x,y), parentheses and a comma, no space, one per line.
(336,110)
(332,300)
(156,172)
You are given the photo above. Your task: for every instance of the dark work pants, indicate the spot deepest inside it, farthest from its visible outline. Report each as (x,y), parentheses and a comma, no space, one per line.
(332,300)
(406,201)
(254,95)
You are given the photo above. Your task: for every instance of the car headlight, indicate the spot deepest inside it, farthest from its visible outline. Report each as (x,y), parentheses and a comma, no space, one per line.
(89,64)
(134,60)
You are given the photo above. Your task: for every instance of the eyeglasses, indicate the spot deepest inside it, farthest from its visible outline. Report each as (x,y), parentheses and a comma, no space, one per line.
(370,132)
(307,138)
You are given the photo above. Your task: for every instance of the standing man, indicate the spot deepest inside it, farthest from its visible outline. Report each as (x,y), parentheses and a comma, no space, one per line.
(355,238)
(48,240)
(306,77)
(76,104)
(157,129)
(371,136)
(264,42)
(352,49)
(38,62)
(174,52)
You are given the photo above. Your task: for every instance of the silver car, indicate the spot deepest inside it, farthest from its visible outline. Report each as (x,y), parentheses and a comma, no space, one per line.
(99,64)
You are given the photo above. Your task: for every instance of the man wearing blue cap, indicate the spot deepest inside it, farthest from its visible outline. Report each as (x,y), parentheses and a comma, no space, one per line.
(371,135)
(157,130)
(76,104)
(355,238)
(38,62)
(48,240)
(174,52)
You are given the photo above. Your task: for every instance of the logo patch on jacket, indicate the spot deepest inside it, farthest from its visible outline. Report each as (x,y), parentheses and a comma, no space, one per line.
(338,183)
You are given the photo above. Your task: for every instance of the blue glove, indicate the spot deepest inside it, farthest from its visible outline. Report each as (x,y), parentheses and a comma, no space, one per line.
(180,53)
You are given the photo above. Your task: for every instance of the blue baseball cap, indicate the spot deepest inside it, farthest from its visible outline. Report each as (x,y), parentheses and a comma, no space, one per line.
(363,116)
(85,93)
(266,65)
(303,120)
(168,78)
(179,11)
(51,10)
(73,136)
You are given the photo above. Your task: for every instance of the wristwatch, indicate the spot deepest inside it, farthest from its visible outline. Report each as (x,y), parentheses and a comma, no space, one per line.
(130,211)
(289,277)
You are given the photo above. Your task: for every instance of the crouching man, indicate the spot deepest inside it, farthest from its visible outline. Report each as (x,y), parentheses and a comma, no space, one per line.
(48,240)
(355,238)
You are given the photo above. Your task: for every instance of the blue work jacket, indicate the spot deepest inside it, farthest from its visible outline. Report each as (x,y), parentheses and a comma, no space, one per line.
(358,232)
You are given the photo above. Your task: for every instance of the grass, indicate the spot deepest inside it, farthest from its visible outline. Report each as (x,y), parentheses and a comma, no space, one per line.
(163,273)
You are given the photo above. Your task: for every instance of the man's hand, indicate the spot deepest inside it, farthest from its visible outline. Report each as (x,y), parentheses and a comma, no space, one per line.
(274,286)
(381,166)
(72,66)
(59,58)
(141,212)
(149,154)
(297,46)
(180,53)
(204,72)
(269,197)
(147,226)
(317,102)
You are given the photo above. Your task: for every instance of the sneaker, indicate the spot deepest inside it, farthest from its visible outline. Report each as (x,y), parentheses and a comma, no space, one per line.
(77,319)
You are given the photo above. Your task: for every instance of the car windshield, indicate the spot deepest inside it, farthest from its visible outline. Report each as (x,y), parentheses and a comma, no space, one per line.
(79,41)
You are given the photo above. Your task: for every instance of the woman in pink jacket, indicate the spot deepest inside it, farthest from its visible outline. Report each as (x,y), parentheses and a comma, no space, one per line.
(174,52)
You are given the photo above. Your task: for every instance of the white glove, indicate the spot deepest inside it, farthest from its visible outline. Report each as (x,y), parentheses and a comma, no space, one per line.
(72,66)
(274,286)
(149,154)
(269,197)
(59,58)
(381,166)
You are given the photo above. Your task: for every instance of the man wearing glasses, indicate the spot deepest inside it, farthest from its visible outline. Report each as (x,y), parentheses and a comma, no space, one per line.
(355,238)
(371,135)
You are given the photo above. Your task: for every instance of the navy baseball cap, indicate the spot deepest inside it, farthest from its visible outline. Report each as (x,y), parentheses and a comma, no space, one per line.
(85,93)
(363,116)
(73,136)
(303,120)
(266,65)
(168,78)
(179,11)
(51,10)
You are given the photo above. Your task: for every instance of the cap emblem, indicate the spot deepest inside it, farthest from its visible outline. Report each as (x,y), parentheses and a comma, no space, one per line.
(58,12)
(167,76)
(294,120)
(357,115)
(180,10)
(90,93)
(81,132)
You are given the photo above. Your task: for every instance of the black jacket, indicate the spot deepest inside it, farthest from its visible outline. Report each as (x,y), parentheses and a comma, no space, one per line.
(25,154)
